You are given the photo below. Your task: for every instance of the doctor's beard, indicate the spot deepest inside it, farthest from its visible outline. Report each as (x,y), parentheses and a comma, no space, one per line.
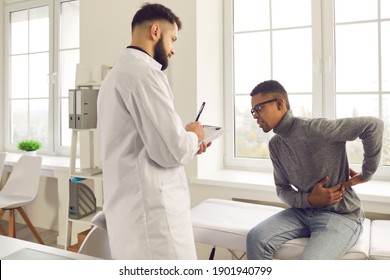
(160,54)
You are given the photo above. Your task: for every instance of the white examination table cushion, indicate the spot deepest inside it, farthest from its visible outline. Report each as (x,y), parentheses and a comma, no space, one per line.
(225,224)
(380,240)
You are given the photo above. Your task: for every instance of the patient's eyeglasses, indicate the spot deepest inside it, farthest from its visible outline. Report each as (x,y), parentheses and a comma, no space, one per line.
(258,107)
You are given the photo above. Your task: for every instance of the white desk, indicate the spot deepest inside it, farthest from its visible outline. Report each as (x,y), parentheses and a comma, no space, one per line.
(10,246)
(54,167)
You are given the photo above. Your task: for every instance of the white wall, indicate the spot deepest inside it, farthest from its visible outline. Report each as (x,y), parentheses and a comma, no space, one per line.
(209,47)
(106,31)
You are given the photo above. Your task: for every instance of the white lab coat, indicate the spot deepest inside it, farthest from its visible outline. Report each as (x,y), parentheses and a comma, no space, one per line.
(143,148)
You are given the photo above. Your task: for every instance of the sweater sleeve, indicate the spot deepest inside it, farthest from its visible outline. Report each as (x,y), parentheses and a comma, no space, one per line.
(368,129)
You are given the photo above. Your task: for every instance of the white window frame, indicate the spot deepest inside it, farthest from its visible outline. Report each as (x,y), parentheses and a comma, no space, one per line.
(324,105)
(8,10)
(58,148)
(53,147)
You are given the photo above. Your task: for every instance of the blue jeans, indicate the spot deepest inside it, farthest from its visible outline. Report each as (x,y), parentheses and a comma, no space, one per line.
(330,234)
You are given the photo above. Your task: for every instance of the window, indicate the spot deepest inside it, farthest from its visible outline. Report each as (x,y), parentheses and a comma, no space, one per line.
(41,54)
(334,62)
(362,53)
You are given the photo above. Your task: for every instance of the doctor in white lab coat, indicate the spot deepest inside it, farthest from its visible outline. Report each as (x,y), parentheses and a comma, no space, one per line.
(144,147)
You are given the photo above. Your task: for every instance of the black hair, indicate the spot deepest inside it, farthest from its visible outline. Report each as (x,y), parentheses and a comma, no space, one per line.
(271,87)
(150,11)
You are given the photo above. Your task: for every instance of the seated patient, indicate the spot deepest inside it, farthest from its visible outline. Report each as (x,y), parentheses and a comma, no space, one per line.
(312,176)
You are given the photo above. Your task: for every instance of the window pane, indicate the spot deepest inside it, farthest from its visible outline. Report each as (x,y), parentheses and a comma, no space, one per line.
(69,25)
(357,58)
(301,105)
(355,151)
(385,56)
(65,131)
(19,120)
(19,32)
(250,140)
(39,71)
(19,76)
(385,9)
(287,13)
(67,70)
(293,64)
(356,105)
(39,120)
(39,29)
(386,137)
(355,10)
(251,60)
(251,15)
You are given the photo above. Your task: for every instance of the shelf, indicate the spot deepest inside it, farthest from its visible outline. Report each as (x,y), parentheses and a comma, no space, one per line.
(91,177)
(84,129)
(91,170)
(88,171)
(87,219)
(89,84)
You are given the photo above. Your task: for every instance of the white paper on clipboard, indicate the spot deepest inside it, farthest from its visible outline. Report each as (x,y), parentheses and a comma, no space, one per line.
(212,132)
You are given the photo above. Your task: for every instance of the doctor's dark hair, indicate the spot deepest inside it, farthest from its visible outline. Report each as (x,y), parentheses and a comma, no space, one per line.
(155,12)
(272,87)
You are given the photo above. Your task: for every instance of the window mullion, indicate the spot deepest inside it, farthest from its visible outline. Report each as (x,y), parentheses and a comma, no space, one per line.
(229,80)
(317,110)
(328,54)
(56,125)
(380,77)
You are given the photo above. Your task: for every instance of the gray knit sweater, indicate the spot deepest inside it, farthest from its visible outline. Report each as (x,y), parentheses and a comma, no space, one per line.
(303,151)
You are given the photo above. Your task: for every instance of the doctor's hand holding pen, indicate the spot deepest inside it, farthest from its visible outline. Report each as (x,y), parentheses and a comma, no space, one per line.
(197,128)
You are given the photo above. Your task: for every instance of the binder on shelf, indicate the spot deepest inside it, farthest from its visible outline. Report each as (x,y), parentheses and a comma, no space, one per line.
(82,104)
(86,111)
(72,105)
(82,201)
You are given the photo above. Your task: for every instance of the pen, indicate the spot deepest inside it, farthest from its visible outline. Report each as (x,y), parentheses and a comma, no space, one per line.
(200,111)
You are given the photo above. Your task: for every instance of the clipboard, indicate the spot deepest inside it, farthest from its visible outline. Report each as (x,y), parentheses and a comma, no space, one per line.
(212,132)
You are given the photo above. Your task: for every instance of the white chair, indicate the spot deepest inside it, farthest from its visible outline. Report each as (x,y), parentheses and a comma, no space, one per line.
(20,189)
(96,243)
(2,160)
